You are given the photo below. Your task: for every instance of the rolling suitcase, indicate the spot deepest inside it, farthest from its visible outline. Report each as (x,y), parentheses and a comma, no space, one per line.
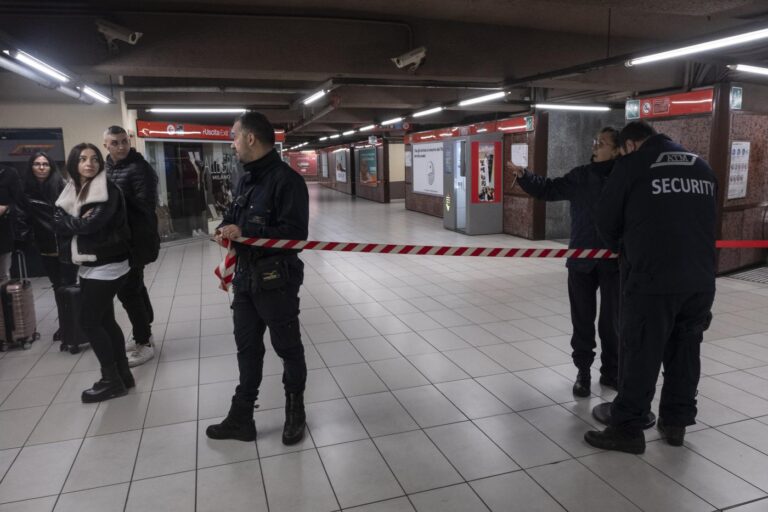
(17,306)
(69,303)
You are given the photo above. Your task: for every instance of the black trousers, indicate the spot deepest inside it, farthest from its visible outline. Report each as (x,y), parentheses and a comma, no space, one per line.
(256,310)
(98,319)
(582,292)
(656,330)
(135,300)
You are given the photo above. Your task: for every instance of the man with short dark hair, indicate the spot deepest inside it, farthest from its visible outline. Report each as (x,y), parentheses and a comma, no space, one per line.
(658,210)
(271,201)
(137,179)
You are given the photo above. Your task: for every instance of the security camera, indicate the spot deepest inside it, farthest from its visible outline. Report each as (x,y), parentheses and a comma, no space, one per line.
(115,32)
(411,60)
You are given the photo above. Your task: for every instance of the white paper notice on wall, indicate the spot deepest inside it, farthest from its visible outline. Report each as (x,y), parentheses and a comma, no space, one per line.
(519,154)
(737,178)
(408,159)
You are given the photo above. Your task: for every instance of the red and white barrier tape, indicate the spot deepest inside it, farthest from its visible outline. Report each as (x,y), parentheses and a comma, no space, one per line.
(226,269)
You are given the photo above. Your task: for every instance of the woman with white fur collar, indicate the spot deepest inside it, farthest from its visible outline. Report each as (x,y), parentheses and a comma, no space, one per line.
(92,231)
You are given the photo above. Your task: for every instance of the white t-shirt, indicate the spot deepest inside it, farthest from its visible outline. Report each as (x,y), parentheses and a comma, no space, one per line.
(108,272)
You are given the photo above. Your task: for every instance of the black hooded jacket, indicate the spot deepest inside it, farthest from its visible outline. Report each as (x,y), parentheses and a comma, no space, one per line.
(38,205)
(138,182)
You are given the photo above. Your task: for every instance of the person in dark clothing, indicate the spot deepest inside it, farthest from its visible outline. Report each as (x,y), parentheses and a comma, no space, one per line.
(659,210)
(43,184)
(582,186)
(138,181)
(271,202)
(92,231)
(10,192)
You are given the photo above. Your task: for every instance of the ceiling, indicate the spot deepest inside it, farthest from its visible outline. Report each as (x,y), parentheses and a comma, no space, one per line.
(270,56)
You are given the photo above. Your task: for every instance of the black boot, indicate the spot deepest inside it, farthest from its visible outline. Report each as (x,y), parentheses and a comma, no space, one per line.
(673,434)
(237,425)
(295,419)
(125,373)
(583,381)
(616,439)
(57,335)
(110,386)
(602,413)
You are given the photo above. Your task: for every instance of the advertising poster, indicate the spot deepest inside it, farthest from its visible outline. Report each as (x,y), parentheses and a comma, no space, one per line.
(428,168)
(341,166)
(305,163)
(486,172)
(519,154)
(324,164)
(737,178)
(368,174)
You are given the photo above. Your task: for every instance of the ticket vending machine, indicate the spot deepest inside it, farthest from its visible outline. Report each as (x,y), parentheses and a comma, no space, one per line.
(473,201)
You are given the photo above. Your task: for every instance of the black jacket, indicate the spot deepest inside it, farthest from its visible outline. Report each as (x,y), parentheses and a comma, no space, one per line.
(100,237)
(10,193)
(271,201)
(581,186)
(138,181)
(659,209)
(38,205)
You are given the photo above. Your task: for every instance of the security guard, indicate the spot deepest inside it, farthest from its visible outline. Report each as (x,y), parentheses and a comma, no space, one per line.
(271,202)
(582,186)
(658,209)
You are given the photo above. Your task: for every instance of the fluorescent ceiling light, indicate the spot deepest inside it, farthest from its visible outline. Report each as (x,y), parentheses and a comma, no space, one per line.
(319,94)
(323,138)
(336,136)
(482,99)
(582,108)
(367,128)
(482,130)
(702,47)
(196,110)
(391,121)
(40,66)
(749,69)
(350,132)
(96,95)
(428,112)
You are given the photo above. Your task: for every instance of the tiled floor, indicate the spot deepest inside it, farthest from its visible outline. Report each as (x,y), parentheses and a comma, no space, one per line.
(435,384)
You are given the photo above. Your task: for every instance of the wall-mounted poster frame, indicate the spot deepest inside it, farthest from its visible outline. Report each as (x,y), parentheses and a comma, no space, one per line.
(428,169)
(368,171)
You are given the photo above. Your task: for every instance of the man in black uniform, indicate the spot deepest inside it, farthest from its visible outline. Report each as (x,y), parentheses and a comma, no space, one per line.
(137,180)
(658,209)
(582,186)
(271,202)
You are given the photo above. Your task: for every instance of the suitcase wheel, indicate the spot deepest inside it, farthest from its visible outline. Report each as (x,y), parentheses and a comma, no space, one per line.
(74,349)
(36,336)
(26,345)
(62,347)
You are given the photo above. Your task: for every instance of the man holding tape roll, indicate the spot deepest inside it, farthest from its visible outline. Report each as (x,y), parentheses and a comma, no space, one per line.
(271,201)
(658,210)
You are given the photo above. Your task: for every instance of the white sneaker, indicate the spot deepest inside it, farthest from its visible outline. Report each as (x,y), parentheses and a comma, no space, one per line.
(140,355)
(131,345)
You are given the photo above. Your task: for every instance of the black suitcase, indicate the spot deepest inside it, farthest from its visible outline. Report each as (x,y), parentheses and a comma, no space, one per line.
(69,302)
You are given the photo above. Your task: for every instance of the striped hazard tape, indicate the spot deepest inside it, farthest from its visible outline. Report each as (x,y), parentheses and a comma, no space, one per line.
(226,269)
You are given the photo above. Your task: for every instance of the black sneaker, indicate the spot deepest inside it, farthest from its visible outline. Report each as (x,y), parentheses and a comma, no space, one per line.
(615,439)
(581,386)
(673,434)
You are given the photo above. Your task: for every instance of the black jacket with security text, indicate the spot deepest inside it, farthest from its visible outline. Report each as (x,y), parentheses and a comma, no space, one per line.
(658,210)
(138,182)
(271,201)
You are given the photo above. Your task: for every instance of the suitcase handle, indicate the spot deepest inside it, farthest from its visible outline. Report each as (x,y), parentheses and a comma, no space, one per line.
(22,264)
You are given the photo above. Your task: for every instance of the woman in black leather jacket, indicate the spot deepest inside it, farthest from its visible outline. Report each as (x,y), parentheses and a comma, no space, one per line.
(92,232)
(42,185)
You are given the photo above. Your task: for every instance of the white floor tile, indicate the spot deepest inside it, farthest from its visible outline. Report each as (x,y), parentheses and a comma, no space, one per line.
(165,450)
(104,460)
(233,487)
(456,498)
(281,474)
(171,493)
(38,471)
(428,406)
(514,492)
(104,499)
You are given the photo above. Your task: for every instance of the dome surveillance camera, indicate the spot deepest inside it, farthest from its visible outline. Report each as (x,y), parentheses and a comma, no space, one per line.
(412,59)
(115,32)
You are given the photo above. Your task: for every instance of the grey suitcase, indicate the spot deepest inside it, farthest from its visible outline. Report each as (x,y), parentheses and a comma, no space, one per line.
(17,312)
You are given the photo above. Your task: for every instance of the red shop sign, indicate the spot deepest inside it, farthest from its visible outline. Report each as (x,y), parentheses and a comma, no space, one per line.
(688,103)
